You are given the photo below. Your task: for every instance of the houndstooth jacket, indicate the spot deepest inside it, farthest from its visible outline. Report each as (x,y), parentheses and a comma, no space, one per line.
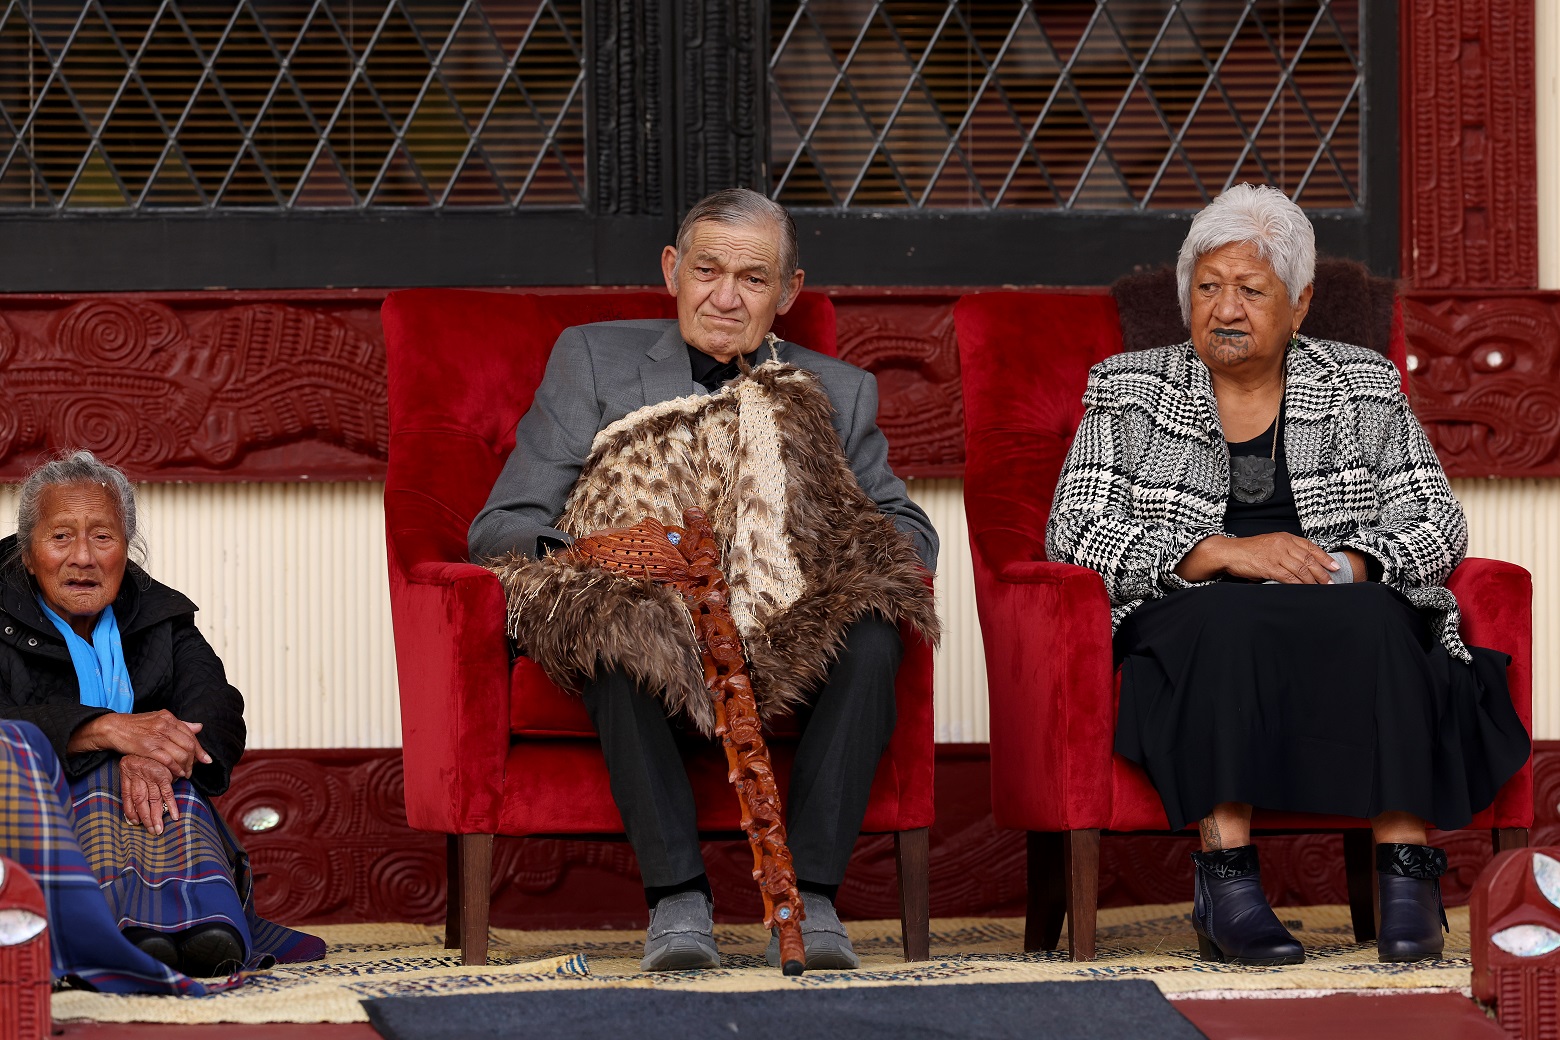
(1148,475)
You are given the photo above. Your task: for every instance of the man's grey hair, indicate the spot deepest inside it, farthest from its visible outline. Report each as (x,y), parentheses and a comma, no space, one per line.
(746,207)
(78,467)
(1259,215)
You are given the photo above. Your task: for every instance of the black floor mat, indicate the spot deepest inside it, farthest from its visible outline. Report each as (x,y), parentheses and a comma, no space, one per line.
(1105,1010)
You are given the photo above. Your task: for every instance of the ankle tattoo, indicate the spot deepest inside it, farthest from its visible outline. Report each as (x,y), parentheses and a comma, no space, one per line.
(1208,828)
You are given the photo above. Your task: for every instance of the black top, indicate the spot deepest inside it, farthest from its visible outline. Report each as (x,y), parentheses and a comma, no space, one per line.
(712,374)
(1278,513)
(170,663)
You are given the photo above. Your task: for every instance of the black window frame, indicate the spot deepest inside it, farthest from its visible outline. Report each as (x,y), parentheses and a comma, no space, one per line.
(1095,247)
(677,106)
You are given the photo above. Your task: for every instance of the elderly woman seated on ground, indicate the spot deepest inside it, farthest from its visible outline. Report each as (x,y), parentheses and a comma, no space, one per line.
(117,727)
(1275,534)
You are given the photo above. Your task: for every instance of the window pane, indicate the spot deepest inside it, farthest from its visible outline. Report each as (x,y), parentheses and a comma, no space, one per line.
(290,104)
(1065,104)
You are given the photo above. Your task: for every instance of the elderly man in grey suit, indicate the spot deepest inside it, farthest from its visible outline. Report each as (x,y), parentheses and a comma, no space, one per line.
(733,269)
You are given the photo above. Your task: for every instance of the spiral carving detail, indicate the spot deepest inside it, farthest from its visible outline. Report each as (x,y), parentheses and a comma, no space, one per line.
(107,427)
(110,332)
(411,880)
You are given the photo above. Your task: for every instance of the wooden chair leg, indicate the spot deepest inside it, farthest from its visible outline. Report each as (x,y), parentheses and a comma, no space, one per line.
(1047,891)
(1507,838)
(452,892)
(476,874)
(1359,865)
(913,856)
(1083,891)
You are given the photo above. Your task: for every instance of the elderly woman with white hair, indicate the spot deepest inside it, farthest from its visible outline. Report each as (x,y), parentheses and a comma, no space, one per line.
(117,727)
(1275,534)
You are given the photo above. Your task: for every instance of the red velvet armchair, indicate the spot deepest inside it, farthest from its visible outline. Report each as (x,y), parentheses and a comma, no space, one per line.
(1053,691)
(490,745)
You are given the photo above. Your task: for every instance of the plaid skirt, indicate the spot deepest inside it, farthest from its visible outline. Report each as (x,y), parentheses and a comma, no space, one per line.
(100,874)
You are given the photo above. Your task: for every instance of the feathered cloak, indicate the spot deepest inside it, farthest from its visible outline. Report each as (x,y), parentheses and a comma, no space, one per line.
(805,551)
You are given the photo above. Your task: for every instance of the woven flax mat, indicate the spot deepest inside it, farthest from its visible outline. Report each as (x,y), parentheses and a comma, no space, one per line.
(1143,942)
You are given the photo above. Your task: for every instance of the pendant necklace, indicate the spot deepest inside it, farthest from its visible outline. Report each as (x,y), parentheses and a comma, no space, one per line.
(1253,478)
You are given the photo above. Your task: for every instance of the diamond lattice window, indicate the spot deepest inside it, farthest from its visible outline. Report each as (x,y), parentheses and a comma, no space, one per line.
(1063,104)
(286,105)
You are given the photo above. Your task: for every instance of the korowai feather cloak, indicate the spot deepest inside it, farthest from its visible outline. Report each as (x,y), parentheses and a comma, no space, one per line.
(805,551)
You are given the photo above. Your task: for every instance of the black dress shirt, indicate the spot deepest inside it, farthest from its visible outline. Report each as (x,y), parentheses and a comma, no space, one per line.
(712,374)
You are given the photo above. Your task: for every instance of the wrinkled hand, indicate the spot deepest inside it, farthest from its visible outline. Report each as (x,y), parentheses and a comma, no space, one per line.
(1281,557)
(145,788)
(158,735)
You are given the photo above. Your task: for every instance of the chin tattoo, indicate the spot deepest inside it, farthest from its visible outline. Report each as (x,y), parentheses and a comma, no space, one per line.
(1230,350)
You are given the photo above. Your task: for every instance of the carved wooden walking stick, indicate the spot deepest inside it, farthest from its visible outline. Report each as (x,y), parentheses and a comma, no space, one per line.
(688,559)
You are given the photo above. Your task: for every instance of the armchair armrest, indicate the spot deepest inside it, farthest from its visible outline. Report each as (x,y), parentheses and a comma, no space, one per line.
(1046,628)
(1496,599)
(452,658)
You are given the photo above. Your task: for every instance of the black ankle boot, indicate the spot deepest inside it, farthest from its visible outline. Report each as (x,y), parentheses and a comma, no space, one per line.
(210,951)
(155,945)
(1412,917)
(1231,915)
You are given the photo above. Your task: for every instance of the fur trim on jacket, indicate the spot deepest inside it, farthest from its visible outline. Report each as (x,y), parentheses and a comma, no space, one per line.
(805,551)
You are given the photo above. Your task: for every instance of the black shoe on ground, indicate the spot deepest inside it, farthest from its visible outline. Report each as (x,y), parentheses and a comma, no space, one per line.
(156,945)
(210,951)
(1413,920)
(1231,915)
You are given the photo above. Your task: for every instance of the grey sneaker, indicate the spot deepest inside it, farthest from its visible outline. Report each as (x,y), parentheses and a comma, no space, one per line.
(823,937)
(681,936)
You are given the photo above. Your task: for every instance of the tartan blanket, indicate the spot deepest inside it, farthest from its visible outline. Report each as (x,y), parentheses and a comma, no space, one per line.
(100,874)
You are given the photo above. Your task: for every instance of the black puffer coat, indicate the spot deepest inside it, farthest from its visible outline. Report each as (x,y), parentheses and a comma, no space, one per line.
(171,666)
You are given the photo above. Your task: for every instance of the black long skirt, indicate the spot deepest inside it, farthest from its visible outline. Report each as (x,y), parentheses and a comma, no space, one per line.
(1311,698)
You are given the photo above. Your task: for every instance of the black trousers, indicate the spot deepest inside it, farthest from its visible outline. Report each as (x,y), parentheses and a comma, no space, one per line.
(845,730)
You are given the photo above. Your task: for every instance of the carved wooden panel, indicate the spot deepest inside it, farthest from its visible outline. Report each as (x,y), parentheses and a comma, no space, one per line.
(907,341)
(341,851)
(291,385)
(722,136)
(1469,176)
(1486,380)
(627,97)
(196,386)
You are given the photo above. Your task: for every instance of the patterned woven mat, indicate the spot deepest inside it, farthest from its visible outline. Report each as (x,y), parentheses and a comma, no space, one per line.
(1152,942)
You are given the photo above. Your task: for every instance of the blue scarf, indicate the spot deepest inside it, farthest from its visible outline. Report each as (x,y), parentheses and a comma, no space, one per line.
(100,664)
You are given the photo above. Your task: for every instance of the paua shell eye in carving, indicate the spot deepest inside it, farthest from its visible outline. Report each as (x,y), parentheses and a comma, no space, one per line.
(1527,940)
(261,819)
(1535,940)
(1546,871)
(18,926)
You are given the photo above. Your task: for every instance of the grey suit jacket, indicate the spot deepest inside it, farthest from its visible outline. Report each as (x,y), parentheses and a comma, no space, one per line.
(599,373)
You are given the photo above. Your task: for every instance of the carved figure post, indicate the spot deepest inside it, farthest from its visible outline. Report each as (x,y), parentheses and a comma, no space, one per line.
(688,559)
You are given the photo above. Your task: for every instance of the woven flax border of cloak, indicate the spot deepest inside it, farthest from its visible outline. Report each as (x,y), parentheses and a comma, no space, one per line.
(805,551)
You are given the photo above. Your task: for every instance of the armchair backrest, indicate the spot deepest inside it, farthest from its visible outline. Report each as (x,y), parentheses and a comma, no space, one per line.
(1024,359)
(463,367)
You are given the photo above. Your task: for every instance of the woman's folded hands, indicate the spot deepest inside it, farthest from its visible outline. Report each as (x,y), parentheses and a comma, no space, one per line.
(155,747)
(157,735)
(1279,556)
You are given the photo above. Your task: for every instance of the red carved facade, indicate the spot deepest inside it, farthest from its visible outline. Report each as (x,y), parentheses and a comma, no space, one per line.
(291,386)
(1469,160)
(906,340)
(197,386)
(1486,380)
(343,852)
